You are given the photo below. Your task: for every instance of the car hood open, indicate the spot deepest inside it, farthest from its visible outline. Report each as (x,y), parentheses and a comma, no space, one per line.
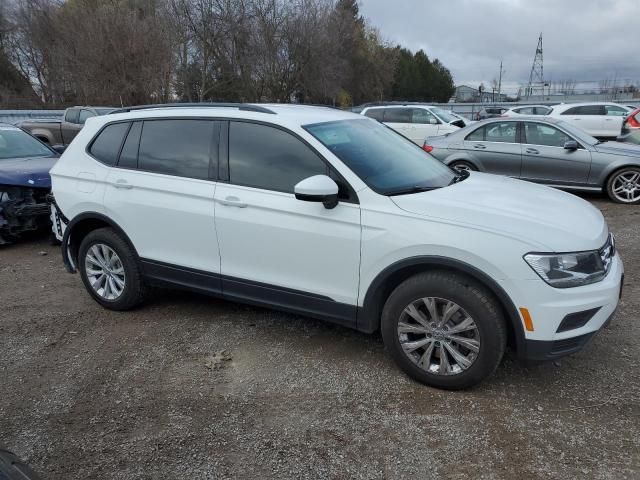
(544,217)
(27,172)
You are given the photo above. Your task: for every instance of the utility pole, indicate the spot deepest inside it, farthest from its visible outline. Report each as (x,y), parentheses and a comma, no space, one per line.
(500,82)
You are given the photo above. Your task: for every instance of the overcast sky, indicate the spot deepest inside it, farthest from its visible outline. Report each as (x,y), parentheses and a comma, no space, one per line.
(582,39)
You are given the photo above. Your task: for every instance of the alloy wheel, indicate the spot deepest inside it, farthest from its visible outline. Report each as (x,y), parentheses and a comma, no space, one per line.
(438,336)
(105,271)
(626,186)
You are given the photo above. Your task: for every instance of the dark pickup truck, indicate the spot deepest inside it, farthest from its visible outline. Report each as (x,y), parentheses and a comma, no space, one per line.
(61,132)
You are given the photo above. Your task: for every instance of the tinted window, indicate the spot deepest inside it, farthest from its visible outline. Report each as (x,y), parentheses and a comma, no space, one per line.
(501,132)
(177,147)
(476,135)
(542,110)
(541,134)
(615,110)
(72,115)
(129,154)
(524,111)
(397,115)
(84,114)
(585,110)
(420,115)
(269,158)
(375,113)
(386,161)
(108,142)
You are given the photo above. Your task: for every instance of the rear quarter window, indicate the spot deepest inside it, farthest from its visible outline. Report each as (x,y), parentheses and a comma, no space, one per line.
(375,113)
(106,145)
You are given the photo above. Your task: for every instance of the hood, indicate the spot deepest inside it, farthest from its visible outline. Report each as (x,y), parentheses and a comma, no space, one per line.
(27,172)
(619,148)
(545,218)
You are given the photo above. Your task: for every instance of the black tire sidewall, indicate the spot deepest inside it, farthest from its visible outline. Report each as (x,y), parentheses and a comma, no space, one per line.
(132,289)
(609,186)
(469,165)
(474,300)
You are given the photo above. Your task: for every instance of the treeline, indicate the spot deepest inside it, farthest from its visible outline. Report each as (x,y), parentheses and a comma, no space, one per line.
(122,52)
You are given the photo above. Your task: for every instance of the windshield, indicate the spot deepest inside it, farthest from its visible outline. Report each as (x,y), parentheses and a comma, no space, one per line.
(444,115)
(580,135)
(14,143)
(385,160)
(104,111)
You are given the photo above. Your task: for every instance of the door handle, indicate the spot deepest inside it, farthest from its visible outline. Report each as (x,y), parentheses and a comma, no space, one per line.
(481,147)
(532,150)
(123,184)
(231,201)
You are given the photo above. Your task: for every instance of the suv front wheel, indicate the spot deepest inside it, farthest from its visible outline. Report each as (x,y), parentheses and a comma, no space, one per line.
(110,271)
(444,330)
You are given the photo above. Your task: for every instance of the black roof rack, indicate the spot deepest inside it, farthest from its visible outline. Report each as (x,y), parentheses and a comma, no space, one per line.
(240,106)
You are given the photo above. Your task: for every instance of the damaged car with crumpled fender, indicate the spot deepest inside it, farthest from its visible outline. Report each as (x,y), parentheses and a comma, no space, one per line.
(24,183)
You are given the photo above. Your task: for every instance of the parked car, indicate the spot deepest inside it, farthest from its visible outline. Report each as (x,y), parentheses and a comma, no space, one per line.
(490,112)
(599,119)
(24,183)
(544,150)
(527,110)
(416,122)
(333,215)
(61,132)
(630,131)
(464,121)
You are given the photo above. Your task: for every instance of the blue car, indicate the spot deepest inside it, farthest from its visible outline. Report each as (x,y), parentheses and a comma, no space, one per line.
(24,183)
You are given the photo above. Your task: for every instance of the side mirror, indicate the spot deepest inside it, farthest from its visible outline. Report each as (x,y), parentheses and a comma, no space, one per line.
(59,148)
(319,188)
(571,145)
(433,121)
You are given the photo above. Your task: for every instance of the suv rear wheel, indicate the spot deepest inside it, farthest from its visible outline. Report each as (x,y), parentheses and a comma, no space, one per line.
(444,330)
(110,271)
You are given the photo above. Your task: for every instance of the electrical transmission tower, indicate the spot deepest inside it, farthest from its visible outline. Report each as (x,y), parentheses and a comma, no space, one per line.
(536,78)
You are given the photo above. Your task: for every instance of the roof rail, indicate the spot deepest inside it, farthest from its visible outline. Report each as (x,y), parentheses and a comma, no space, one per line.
(240,106)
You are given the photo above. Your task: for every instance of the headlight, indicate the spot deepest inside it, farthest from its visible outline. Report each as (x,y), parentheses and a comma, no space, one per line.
(568,269)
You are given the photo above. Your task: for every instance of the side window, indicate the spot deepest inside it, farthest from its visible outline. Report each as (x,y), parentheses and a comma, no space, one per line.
(541,134)
(269,158)
(420,115)
(129,154)
(177,147)
(375,113)
(397,115)
(585,110)
(525,111)
(542,110)
(501,132)
(614,110)
(72,115)
(107,144)
(476,135)
(84,114)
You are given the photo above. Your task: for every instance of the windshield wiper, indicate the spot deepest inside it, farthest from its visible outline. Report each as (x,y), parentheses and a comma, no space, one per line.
(460,176)
(409,190)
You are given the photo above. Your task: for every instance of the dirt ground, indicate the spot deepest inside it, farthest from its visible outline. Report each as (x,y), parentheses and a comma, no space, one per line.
(193,387)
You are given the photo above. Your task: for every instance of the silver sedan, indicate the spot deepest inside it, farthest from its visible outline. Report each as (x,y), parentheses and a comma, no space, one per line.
(543,150)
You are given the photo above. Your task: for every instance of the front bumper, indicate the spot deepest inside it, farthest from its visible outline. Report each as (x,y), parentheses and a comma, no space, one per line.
(549,306)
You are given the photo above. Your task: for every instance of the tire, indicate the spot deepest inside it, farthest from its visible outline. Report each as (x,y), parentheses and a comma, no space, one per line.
(125,272)
(463,165)
(623,186)
(474,303)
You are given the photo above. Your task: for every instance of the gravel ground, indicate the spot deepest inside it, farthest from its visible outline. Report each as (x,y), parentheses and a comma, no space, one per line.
(193,387)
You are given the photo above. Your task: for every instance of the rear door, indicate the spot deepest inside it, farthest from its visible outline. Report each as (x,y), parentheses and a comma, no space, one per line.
(161,194)
(496,148)
(590,118)
(614,116)
(544,158)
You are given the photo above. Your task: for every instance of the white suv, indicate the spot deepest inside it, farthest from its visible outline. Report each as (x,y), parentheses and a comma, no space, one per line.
(598,119)
(416,122)
(333,215)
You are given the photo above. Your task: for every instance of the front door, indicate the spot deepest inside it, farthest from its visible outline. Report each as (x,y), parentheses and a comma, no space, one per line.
(399,119)
(544,158)
(425,125)
(275,248)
